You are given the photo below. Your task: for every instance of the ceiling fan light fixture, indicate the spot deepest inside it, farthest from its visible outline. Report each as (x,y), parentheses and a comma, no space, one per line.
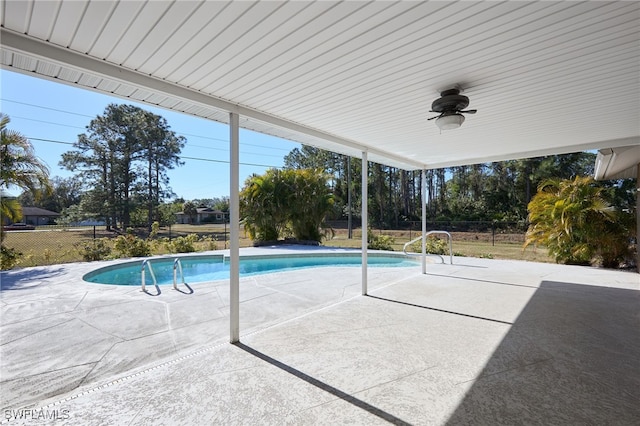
(450,121)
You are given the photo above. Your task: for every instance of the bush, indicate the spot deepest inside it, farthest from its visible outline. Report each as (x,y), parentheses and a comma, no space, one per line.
(284,203)
(434,245)
(209,242)
(155,228)
(94,250)
(576,222)
(131,246)
(183,244)
(380,242)
(8,257)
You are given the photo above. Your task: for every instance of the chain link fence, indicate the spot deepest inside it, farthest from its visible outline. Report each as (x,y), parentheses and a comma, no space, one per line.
(486,231)
(47,245)
(53,244)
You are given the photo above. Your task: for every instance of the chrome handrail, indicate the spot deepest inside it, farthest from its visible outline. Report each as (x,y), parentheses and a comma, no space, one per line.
(177,264)
(404,248)
(142,274)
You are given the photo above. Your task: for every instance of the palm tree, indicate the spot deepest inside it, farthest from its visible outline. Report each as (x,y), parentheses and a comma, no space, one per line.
(20,167)
(10,208)
(284,203)
(573,219)
(261,202)
(310,205)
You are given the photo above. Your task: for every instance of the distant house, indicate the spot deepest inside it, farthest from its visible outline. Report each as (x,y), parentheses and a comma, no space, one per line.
(203,215)
(37,216)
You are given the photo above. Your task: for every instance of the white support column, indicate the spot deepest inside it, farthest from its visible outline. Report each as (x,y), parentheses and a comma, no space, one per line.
(234,224)
(365,221)
(423,194)
(638,217)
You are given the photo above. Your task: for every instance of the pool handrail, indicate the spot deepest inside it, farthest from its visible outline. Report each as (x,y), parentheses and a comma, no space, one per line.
(177,264)
(404,248)
(142,274)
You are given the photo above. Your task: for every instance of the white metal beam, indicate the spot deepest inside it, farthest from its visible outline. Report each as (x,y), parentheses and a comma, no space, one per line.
(423,196)
(638,217)
(587,146)
(365,221)
(234,223)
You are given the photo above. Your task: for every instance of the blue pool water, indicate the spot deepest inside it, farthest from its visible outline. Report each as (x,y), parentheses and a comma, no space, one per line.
(210,268)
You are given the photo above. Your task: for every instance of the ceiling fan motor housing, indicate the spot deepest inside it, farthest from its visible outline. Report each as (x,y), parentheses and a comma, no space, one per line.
(450,100)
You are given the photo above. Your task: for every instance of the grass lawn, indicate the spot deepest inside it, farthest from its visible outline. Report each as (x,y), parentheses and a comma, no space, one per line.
(53,246)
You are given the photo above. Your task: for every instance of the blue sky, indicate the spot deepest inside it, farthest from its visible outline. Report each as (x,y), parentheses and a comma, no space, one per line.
(46,111)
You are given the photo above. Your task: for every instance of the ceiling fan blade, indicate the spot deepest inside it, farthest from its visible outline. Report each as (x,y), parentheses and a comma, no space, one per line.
(471,111)
(433,118)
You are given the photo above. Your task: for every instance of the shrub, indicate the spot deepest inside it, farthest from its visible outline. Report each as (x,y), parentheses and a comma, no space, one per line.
(577,223)
(183,244)
(434,245)
(8,257)
(209,241)
(380,242)
(131,246)
(155,228)
(284,203)
(94,250)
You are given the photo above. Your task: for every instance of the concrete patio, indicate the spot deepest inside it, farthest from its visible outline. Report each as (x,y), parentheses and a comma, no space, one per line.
(478,342)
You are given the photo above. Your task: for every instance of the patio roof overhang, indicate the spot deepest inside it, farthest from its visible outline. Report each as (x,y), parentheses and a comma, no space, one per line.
(618,163)
(546,77)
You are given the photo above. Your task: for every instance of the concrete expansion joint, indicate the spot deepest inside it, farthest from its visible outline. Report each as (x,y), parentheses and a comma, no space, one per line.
(96,328)
(81,300)
(122,379)
(36,332)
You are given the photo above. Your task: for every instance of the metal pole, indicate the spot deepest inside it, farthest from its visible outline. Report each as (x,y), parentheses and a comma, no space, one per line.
(638,218)
(365,172)
(424,220)
(234,224)
(349,222)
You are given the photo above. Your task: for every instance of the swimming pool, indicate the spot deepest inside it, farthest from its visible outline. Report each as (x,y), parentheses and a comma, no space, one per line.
(216,267)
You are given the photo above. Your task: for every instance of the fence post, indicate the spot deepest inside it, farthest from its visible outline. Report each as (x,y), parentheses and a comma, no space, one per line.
(493,233)
(169,232)
(94,232)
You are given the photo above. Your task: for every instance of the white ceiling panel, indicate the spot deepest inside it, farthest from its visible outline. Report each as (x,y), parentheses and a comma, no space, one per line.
(40,22)
(91,25)
(195,51)
(109,34)
(17,14)
(64,21)
(141,27)
(250,21)
(545,77)
(154,41)
(195,23)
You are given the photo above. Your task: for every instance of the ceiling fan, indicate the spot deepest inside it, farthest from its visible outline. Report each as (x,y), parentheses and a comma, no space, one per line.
(451,105)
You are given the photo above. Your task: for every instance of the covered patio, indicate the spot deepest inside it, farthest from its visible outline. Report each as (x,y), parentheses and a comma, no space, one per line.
(359,78)
(477,342)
